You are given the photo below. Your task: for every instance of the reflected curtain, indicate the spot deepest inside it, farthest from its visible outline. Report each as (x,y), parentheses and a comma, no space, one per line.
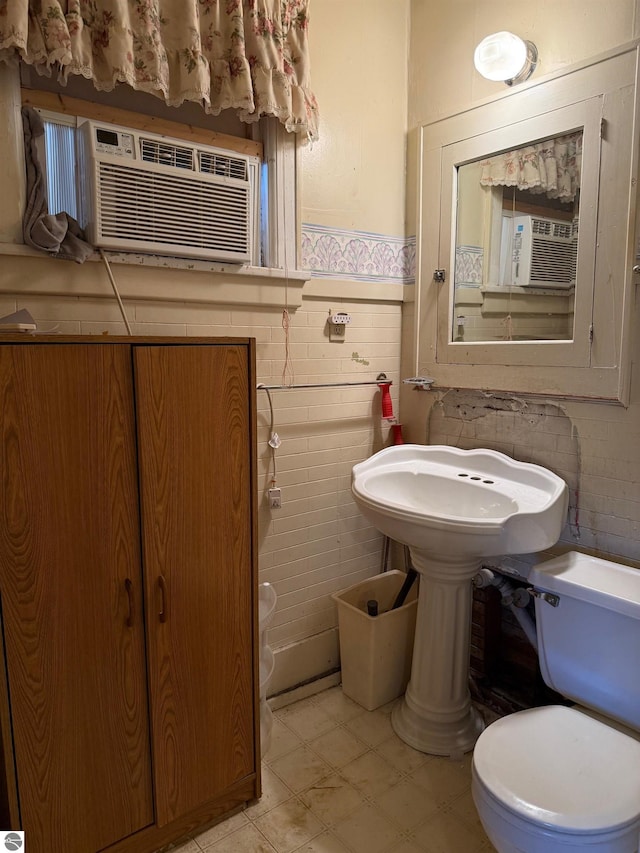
(551,167)
(251,56)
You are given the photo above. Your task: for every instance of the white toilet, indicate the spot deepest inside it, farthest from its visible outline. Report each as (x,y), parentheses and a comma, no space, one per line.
(556,779)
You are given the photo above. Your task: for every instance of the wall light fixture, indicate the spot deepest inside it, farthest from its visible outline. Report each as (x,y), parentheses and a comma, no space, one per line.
(505,57)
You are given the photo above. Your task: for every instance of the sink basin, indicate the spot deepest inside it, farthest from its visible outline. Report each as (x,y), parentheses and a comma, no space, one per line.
(453,508)
(476,502)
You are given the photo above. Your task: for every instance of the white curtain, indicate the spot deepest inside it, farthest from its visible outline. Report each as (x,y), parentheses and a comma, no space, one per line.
(551,167)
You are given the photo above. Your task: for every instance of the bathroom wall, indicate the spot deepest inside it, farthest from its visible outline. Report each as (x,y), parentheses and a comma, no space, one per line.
(442,78)
(593,445)
(353,238)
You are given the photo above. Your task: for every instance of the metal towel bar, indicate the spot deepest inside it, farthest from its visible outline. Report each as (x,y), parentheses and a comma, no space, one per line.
(381,379)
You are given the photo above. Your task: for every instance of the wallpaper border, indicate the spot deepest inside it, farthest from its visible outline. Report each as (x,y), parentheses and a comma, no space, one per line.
(358,255)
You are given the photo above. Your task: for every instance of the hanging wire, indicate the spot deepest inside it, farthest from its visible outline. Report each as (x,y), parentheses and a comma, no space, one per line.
(287,370)
(508,321)
(115,289)
(274,439)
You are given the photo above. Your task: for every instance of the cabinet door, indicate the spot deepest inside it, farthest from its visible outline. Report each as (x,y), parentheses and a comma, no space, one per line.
(71,587)
(195,478)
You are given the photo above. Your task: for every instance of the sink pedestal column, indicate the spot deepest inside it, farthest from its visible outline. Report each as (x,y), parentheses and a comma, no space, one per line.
(436,714)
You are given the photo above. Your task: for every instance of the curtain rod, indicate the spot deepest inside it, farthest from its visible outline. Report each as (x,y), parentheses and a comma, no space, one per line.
(381,379)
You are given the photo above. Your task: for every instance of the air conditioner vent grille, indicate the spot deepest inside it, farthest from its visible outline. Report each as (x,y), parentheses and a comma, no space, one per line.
(553,262)
(166,154)
(549,228)
(211,163)
(172,210)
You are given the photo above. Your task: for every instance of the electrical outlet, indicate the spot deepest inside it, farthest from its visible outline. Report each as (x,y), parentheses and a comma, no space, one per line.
(337,331)
(338,323)
(275,498)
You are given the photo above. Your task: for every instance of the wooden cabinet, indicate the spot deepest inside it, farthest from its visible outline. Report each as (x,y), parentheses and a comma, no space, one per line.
(128,589)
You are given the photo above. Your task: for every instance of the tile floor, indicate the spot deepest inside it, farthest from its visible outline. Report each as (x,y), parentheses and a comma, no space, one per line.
(337,779)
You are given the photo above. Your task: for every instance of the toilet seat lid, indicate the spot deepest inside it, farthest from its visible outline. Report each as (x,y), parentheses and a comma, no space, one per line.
(561,768)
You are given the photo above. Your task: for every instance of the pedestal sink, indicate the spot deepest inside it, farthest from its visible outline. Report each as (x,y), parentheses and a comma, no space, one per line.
(453,508)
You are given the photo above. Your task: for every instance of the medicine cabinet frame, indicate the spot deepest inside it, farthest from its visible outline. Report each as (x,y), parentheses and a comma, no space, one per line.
(600,98)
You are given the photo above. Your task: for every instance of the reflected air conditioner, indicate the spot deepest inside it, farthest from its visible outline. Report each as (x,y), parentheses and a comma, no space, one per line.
(544,252)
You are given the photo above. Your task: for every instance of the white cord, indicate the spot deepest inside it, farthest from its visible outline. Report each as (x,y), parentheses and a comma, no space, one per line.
(115,289)
(274,438)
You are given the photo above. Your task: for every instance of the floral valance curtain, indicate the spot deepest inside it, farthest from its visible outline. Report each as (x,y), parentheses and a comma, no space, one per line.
(248,55)
(551,167)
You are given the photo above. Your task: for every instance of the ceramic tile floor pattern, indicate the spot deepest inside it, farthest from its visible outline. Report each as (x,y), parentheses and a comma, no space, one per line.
(337,779)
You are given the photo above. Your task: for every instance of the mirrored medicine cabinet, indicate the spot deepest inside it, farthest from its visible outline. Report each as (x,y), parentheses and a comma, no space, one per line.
(526,236)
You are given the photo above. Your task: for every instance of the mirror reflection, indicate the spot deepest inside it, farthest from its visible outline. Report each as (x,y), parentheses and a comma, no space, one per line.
(516,243)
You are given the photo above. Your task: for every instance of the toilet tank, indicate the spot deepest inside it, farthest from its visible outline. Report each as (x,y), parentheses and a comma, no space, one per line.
(589,645)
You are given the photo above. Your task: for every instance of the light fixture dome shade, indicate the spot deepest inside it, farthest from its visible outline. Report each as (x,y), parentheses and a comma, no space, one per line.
(504,57)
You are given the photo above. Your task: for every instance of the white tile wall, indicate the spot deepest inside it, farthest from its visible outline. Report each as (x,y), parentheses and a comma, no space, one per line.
(318,543)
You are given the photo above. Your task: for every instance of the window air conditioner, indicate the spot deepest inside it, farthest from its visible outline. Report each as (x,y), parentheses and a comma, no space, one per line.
(544,252)
(143,192)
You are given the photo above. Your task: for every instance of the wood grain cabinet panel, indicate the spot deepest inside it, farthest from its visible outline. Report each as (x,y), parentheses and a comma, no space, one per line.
(195,480)
(71,586)
(128,702)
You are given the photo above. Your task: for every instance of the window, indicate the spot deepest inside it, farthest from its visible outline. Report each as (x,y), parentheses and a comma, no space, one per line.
(134,190)
(60,164)
(268,163)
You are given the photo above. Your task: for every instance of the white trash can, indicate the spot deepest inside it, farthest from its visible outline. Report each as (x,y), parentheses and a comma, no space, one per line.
(376,651)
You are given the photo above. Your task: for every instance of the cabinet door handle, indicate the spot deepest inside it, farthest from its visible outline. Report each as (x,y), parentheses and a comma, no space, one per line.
(128,585)
(162,614)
